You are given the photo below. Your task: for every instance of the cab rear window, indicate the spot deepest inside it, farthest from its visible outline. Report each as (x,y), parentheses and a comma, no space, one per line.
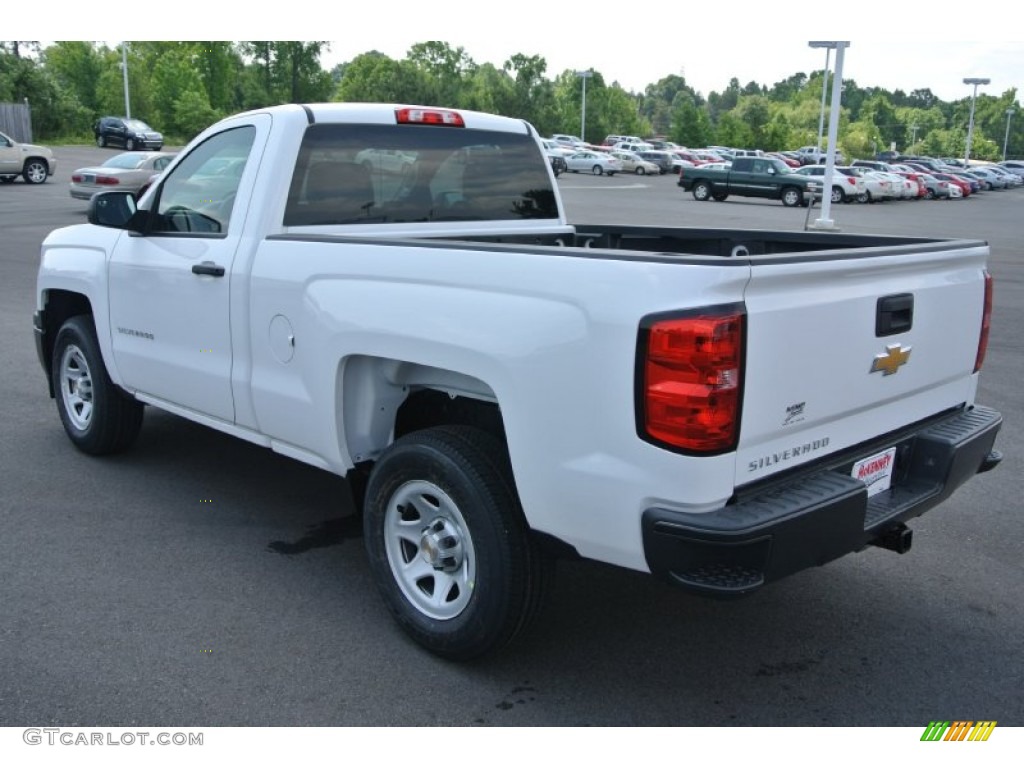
(371,174)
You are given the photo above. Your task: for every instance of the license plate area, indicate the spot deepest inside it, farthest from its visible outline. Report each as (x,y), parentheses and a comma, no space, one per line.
(90,178)
(875,471)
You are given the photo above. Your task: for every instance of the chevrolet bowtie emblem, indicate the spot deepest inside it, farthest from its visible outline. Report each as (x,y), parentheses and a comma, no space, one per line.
(889,363)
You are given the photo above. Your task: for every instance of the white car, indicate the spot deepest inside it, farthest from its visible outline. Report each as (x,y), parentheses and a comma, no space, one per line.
(597,163)
(879,186)
(846,185)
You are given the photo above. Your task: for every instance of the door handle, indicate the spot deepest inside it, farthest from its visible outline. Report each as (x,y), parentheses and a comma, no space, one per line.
(208,268)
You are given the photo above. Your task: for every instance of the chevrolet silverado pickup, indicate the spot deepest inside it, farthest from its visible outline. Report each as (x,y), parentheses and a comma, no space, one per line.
(719,408)
(766,177)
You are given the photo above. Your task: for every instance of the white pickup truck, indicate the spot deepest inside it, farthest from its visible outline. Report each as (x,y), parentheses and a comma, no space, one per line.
(720,408)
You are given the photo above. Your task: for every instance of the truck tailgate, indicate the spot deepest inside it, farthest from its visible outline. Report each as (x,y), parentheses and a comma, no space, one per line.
(841,349)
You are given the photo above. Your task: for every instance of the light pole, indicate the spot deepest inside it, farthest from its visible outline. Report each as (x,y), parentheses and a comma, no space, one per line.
(584,73)
(124,70)
(824,222)
(975,81)
(1006,140)
(828,46)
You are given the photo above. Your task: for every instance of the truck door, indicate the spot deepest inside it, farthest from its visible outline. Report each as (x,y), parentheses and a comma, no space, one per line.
(170,285)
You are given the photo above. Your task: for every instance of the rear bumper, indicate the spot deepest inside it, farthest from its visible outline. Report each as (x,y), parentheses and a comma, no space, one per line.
(818,517)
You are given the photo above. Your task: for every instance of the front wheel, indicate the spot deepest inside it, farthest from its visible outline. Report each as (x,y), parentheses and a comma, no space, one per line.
(791,197)
(101,141)
(448,544)
(640,171)
(97,416)
(35,171)
(862,197)
(597,170)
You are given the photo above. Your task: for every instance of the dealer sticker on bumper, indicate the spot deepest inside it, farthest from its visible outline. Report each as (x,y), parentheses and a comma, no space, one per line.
(876,471)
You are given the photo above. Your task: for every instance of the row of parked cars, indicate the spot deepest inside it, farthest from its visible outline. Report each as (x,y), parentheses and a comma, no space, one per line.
(914,178)
(866,181)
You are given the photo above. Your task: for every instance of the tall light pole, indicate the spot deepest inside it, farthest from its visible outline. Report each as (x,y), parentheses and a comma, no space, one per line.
(584,73)
(975,81)
(124,70)
(824,222)
(828,46)
(1006,139)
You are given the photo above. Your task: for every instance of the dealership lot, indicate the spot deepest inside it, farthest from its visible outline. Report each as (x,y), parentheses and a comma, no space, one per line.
(198,580)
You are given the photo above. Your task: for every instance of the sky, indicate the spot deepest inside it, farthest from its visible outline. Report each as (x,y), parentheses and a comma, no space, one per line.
(635,47)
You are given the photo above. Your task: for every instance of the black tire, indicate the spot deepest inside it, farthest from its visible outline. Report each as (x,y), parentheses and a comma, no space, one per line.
(448,544)
(101,141)
(720,197)
(863,197)
(97,415)
(792,197)
(35,171)
(701,191)
(129,144)
(640,171)
(838,196)
(7,179)
(597,170)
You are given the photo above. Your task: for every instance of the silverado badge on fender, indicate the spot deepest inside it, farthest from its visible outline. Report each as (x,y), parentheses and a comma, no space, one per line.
(890,362)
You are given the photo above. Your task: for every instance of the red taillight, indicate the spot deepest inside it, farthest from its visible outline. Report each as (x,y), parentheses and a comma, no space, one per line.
(986,322)
(76,177)
(429,117)
(690,381)
(850,181)
(107,180)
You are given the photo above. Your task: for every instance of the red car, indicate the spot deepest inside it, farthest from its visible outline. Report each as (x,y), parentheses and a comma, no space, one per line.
(922,190)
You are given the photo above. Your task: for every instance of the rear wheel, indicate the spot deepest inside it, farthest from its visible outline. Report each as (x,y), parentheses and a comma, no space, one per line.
(447,542)
(838,196)
(97,416)
(640,171)
(101,141)
(129,144)
(701,191)
(720,196)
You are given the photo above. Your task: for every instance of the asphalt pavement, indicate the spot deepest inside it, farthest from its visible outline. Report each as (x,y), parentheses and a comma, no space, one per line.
(198,580)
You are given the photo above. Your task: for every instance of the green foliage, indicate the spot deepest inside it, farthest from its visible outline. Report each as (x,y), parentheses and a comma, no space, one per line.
(181,87)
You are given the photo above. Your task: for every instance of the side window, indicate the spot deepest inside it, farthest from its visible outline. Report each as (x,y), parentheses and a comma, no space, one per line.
(199,195)
(759,166)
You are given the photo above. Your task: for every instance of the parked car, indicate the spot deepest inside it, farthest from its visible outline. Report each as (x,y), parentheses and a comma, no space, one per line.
(126,172)
(631,162)
(846,187)
(989,180)
(34,163)
(938,188)
(127,132)
(1014,166)
(880,186)
(1011,179)
(970,185)
(661,158)
(595,162)
(573,142)
(556,154)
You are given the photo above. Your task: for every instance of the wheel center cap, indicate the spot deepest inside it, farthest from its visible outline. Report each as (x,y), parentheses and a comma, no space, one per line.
(441,545)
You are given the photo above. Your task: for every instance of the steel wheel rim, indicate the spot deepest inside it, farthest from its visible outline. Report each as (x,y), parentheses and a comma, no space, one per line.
(429,550)
(76,387)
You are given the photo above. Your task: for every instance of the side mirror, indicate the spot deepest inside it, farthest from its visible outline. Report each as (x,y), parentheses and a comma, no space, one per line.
(771,170)
(112,209)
